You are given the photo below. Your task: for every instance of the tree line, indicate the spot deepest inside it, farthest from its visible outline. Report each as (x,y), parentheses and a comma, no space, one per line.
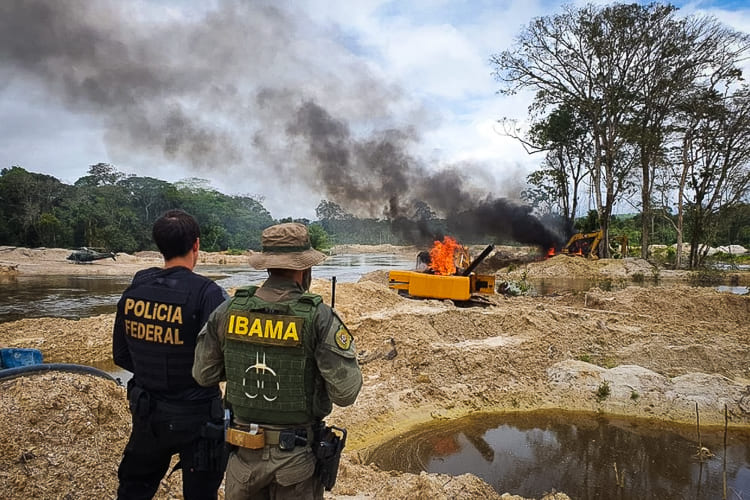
(110,210)
(634,105)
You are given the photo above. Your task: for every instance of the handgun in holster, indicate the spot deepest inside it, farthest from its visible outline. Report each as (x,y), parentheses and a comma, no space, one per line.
(212,451)
(139,401)
(327,447)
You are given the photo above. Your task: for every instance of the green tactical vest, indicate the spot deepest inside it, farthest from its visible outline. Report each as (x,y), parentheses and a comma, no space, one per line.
(269,359)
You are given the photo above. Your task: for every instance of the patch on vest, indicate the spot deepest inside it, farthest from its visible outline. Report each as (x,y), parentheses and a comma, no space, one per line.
(155,321)
(271,329)
(343,338)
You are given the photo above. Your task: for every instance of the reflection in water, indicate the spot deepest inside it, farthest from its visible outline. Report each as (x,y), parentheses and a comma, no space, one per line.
(584,456)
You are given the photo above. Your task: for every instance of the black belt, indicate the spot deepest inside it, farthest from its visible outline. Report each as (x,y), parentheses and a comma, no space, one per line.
(205,405)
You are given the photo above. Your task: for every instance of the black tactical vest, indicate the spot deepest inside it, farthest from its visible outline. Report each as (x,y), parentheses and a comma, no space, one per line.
(269,359)
(161,312)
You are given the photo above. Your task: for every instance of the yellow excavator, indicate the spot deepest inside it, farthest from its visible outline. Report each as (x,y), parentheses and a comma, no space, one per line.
(587,244)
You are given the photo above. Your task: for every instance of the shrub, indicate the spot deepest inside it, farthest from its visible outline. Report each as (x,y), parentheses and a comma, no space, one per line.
(603,391)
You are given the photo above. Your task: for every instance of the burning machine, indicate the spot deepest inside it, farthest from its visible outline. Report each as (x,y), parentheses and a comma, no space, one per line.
(459,286)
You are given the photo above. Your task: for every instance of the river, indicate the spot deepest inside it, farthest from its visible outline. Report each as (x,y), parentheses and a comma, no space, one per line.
(38,296)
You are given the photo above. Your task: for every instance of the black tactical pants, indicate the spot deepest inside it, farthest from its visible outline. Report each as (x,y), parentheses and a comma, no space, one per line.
(165,430)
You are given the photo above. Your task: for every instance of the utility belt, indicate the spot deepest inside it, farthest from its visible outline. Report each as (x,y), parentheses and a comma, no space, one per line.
(202,420)
(327,443)
(143,404)
(255,437)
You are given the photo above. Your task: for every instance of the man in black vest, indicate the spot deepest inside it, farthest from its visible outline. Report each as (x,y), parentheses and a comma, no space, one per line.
(158,319)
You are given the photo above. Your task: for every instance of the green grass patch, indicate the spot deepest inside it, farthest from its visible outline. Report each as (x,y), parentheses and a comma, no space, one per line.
(603,391)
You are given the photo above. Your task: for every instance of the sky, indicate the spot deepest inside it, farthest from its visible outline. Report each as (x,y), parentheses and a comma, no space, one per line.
(292,102)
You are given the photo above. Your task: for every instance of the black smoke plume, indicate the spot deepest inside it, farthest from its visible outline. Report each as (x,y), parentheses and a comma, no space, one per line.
(379,174)
(250,90)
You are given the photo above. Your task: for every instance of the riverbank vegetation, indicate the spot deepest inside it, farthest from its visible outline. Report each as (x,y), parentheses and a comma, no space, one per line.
(636,105)
(113,211)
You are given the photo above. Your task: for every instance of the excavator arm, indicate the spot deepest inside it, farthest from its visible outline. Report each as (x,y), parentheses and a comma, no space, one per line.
(585,244)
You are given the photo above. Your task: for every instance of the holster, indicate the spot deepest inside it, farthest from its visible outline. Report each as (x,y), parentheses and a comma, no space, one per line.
(139,401)
(327,447)
(211,453)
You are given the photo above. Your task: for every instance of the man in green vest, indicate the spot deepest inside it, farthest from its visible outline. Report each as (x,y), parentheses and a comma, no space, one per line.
(286,358)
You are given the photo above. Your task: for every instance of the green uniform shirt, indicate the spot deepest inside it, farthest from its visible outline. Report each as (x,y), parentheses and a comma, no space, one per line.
(335,352)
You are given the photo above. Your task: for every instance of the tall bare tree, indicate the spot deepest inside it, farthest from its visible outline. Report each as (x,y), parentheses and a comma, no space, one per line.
(677,55)
(589,59)
(623,68)
(715,152)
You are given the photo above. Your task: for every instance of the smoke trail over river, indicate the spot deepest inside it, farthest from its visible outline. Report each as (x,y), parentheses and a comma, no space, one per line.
(243,91)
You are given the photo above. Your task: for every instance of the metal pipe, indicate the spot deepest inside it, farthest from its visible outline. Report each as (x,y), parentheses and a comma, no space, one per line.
(8,373)
(478,260)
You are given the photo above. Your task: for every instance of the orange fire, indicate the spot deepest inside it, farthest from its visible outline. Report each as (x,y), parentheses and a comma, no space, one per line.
(442,255)
(551,252)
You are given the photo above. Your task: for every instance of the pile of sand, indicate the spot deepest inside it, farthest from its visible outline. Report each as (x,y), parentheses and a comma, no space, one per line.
(385,248)
(85,341)
(61,436)
(563,266)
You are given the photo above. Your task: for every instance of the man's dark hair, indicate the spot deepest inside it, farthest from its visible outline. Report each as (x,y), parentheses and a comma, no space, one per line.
(175,233)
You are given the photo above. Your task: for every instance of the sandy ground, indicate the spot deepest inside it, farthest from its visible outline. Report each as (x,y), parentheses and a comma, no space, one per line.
(672,345)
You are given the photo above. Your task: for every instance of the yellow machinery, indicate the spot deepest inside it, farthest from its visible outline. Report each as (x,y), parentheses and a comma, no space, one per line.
(587,244)
(436,286)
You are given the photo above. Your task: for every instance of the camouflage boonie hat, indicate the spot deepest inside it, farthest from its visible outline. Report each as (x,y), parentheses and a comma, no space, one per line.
(286,246)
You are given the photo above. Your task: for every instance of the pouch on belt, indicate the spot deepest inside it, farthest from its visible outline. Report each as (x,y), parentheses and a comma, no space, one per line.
(253,440)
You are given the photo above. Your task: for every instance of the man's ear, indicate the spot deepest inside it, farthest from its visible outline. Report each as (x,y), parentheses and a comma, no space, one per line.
(197,245)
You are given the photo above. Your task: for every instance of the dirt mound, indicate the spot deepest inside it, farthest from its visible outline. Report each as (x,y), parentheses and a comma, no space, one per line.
(83,341)
(389,486)
(380,276)
(680,301)
(385,248)
(53,261)
(566,266)
(61,436)
(354,300)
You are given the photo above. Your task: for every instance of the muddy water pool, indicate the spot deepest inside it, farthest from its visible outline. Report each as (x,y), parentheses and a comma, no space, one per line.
(586,456)
(59,296)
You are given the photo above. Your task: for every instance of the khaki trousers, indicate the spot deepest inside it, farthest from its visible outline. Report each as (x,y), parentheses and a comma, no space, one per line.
(272,474)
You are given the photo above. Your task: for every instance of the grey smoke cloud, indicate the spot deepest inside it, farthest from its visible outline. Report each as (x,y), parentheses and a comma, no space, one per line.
(248,87)
(182,88)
